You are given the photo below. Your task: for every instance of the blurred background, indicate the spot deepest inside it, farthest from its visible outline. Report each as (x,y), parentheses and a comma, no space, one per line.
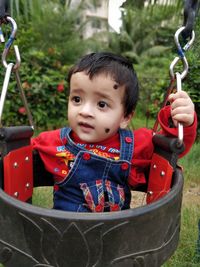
(53,34)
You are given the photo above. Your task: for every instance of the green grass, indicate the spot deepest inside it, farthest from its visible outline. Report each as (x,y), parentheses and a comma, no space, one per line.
(185,255)
(191,166)
(43,196)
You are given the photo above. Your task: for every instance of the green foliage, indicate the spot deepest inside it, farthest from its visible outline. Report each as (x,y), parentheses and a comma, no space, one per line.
(192,83)
(147,38)
(49,41)
(45,89)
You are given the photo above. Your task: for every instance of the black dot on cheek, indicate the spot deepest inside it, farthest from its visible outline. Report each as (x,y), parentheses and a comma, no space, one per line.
(107,130)
(115,86)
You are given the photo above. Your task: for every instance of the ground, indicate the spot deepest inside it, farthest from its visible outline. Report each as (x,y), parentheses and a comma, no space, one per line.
(191,195)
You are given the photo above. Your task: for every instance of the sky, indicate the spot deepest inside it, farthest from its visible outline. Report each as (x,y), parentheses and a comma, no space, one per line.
(114,14)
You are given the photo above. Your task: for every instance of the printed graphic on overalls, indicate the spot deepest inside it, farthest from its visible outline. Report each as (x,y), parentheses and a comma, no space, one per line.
(67,158)
(102,151)
(103,195)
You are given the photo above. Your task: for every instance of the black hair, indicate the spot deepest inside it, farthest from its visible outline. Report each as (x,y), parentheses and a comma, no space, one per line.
(120,69)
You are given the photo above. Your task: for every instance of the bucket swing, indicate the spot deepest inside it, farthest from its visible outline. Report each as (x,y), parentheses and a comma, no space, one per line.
(32,236)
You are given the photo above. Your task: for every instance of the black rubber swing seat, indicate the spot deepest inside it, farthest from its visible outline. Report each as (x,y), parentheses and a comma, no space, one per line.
(32,236)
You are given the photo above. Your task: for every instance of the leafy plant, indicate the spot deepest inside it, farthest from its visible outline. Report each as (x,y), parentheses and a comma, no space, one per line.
(49,41)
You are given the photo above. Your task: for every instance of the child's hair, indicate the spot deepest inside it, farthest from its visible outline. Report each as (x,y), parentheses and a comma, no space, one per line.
(118,67)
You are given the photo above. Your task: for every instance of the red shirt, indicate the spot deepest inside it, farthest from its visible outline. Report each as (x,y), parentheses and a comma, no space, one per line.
(57,160)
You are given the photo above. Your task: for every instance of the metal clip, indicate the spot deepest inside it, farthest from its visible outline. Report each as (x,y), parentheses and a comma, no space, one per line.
(8,45)
(181,54)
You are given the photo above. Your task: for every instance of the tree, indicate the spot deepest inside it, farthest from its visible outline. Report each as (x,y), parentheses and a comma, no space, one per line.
(146,37)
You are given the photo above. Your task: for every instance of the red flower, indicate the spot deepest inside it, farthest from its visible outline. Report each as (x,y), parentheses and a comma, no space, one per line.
(51,50)
(22,110)
(26,85)
(60,87)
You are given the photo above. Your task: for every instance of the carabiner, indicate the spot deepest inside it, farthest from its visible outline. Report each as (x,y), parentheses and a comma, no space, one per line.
(187,45)
(181,54)
(174,63)
(9,43)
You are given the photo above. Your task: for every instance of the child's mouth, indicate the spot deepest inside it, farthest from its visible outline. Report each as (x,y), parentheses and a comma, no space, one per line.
(85,126)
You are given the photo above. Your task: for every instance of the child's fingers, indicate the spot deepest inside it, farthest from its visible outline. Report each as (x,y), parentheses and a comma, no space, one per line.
(182,94)
(180,99)
(182,108)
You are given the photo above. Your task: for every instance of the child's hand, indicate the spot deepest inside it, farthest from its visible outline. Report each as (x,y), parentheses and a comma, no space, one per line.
(182,108)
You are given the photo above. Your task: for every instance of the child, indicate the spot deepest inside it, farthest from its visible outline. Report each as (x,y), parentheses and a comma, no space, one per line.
(96,161)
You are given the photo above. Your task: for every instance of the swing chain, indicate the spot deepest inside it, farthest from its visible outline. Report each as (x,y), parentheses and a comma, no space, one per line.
(180,76)
(11,67)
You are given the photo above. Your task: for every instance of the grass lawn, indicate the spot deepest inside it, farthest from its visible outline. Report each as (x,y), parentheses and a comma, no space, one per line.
(185,255)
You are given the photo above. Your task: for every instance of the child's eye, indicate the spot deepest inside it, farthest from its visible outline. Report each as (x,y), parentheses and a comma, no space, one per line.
(76,99)
(102,104)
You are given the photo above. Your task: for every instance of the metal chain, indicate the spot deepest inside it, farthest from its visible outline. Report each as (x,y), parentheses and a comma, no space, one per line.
(11,67)
(177,77)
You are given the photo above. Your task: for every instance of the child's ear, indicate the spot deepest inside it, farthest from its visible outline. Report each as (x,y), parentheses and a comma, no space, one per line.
(125,121)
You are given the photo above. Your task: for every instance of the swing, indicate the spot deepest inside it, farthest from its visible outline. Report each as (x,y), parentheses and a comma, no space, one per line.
(35,236)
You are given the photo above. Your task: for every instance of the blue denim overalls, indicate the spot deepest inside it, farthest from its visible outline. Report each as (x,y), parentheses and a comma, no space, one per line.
(95,183)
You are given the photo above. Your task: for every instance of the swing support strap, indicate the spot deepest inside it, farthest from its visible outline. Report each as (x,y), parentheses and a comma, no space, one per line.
(4,7)
(190,13)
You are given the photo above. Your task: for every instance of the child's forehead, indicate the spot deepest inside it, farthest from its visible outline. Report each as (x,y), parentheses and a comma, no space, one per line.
(96,77)
(101,83)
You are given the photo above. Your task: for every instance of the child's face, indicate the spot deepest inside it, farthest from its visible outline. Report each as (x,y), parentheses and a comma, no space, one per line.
(95,108)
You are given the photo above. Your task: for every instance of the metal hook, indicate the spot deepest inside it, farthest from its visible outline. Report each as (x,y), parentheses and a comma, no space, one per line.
(185,66)
(8,45)
(188,44)
(181,54)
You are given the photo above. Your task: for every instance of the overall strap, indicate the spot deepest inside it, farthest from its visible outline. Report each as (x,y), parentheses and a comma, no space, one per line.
(69,144)
(64,132)
(126,144)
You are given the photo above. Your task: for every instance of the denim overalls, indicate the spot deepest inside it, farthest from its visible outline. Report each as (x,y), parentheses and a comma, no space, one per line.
(95,183)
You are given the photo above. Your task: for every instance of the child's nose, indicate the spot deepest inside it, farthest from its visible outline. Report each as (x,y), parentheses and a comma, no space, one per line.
(86,110)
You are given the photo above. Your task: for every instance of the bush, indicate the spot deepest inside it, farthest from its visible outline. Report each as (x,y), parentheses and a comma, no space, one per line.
(43,81)
(49,42)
